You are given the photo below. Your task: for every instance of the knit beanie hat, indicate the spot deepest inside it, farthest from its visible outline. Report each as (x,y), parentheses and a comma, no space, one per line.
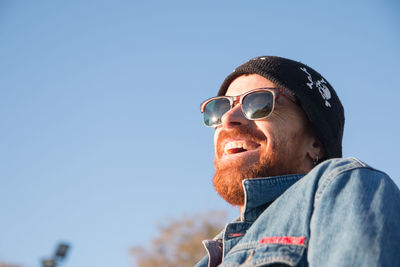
(316,96)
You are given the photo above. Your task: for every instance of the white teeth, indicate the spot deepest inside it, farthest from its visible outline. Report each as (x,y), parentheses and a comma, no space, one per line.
(236,144)
(245,145)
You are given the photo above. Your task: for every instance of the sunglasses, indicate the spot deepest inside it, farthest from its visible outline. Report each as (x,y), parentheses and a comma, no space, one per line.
(255,104)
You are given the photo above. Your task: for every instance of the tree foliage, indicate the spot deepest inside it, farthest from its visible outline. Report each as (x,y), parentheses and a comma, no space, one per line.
(179,242)
(3,264)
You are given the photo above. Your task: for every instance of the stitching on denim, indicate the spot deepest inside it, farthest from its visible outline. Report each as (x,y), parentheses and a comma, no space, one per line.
(255,245)
(229,264)
(272,259)
(244,246)
(355,164)
(248,258)
(274,180)
(286,259)
(359,161)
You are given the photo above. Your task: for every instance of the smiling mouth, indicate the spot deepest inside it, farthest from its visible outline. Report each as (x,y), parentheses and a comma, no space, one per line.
(240,146)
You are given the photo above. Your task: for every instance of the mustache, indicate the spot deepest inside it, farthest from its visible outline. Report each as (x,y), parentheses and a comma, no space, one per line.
(243,132)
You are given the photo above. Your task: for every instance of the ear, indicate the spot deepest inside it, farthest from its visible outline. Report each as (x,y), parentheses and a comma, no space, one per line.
(315,149)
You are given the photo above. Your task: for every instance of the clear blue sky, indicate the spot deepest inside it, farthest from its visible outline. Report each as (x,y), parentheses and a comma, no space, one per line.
(101,135)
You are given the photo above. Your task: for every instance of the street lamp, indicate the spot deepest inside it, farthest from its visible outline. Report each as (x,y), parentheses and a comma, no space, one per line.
(58,257)
(48,263)
(61,251)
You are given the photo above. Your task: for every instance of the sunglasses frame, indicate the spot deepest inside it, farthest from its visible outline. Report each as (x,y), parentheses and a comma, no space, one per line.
(234,100)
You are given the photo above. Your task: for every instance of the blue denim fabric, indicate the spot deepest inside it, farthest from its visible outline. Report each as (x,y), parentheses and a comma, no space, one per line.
(347,213)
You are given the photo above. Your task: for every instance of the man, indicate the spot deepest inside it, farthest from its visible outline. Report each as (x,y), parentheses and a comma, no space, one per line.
(278,148)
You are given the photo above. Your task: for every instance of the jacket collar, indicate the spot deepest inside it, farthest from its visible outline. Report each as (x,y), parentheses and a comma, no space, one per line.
(260,192)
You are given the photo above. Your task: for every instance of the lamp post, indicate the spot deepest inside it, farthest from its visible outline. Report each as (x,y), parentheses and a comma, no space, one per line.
(48,263)
(58,257)
(61,251)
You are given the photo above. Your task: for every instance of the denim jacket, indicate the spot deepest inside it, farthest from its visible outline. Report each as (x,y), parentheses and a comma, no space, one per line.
(342,213)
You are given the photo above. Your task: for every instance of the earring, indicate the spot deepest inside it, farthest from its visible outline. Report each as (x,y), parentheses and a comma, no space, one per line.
(315,161)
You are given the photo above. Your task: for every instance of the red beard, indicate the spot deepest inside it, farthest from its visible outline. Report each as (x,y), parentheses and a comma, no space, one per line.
(229,175)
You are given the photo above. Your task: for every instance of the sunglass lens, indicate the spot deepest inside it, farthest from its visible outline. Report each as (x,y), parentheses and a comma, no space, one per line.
(258,105)
(214,111)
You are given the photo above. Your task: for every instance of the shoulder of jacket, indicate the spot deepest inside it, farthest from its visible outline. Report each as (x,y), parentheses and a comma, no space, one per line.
(329,170)
(343,164)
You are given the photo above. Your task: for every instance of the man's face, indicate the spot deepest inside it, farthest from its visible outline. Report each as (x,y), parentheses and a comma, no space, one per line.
(279,144)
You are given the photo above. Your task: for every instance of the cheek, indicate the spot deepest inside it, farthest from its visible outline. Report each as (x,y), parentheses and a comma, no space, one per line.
(216,133)
(281,124)
(269,135)
(279,133)
(266,128)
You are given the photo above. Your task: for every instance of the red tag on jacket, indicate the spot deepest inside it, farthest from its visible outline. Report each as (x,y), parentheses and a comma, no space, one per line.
(287,240)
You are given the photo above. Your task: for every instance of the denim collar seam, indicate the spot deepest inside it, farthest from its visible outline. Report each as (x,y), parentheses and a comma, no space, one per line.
(274,179)
(256,244)
(332,176)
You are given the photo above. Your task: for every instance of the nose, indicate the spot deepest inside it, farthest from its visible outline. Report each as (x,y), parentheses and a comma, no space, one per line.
(234,117)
